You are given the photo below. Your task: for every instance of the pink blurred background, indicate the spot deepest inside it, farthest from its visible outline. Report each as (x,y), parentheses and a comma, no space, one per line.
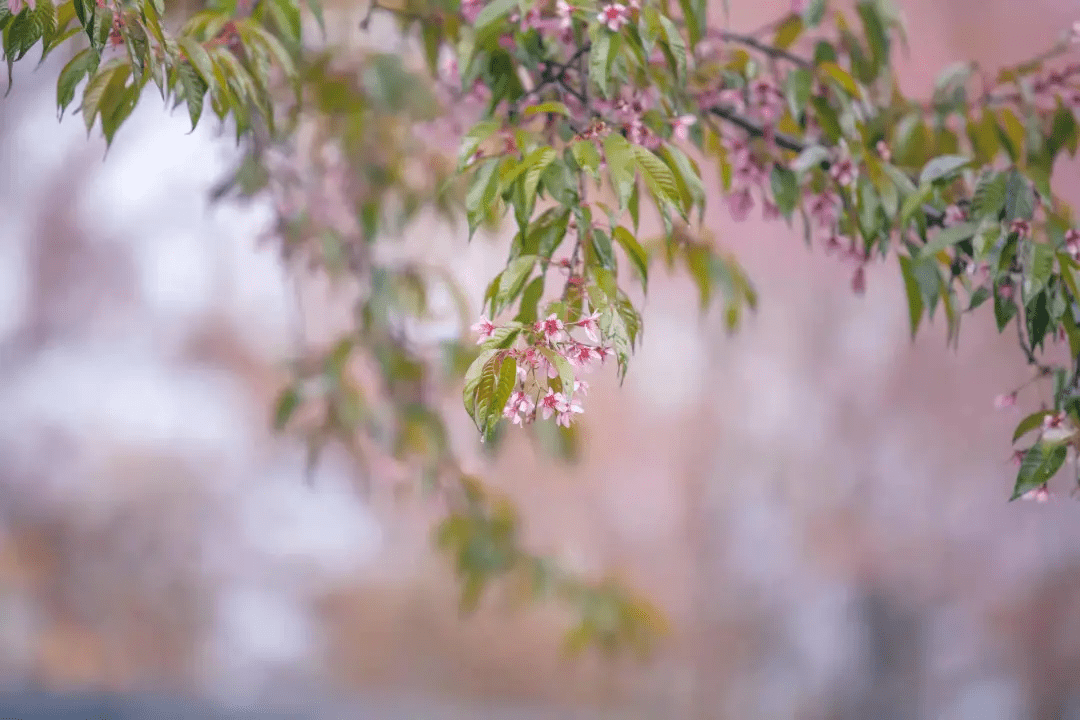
(817,503)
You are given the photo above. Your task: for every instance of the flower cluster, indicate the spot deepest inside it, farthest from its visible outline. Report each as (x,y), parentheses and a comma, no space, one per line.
(547,340)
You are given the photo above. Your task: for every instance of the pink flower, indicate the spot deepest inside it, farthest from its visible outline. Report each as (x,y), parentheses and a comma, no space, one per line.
(1017,457)
(1020,227)
(485,329)
(552,402)
(567,414)
(1039,494)
(843,172)
(798,6)
(740,204)
(1074,32)
(614,16)
(1006,400)
(552,327)
(589,325)
(823,208)
(1072,242)
(470,9)
(680,126)
(858,281)
(883,151)
(954,215)
(582,387)
(16,6)
(769,210)
(519,408)
(581,355)
(564,12)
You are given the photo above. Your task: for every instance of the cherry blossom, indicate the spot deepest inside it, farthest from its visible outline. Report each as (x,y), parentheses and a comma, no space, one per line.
(1005,400)
(16,6)
(883,151)
(614,16)
(680,126)
(1056,428)
(470,9)
(551,327)
(1020,227)
(485,329)
(589,325)
(954,215)
(566,414)
(1040,494)
(1072,242)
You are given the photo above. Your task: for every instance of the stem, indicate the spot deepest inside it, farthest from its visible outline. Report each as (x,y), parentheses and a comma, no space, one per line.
(766,49)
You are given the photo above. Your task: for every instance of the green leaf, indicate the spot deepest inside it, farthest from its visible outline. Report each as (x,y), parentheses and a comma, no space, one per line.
(512,281)
(471,142)
(814,12)
(620,162)
(600,244)
(809,158)
(658,177)
(1031,422)
(841,77)
(788,32)
(989,197)
(635,252)
(914,296)
(599,60)
(946,238)
(552,106)
(943,168)
(472,378)
(914,202)
(1019,197)
(587,157)
(785,189)
(492,12)
(675,45)
(1011,131)
(826,115)
(1040,463)
(287,403)
(797,87)
(83,64)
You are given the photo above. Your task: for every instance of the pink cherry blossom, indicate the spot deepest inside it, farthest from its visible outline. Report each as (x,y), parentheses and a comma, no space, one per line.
(567,413)
(589,325)
(581,387)
(564,12)
(1005,291)
(680,126)
(1005,400)
(843,171)
(1039,494)
(798,6)
(953,215)
(551,403)
(1072,242)
(1020,227)
(1074,32)
(740,204)
(614,16)
(485,329)
(551,327)
(470,9)
(581,355)
(883,151)
(858,281)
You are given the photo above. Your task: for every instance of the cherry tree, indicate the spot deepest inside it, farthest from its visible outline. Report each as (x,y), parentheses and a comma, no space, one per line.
(569,122)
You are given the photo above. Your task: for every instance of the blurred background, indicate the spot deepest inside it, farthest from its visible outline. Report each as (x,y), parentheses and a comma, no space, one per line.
(818,504)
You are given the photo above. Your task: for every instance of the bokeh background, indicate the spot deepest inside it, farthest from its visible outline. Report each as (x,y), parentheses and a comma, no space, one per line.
(818,504)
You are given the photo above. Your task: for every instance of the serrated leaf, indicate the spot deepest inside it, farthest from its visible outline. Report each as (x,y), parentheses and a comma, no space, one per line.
(512,280)
(988,199)
(658,177)
(599,61)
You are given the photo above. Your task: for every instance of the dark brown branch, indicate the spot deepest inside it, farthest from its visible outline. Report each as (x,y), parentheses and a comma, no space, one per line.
(762,47)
